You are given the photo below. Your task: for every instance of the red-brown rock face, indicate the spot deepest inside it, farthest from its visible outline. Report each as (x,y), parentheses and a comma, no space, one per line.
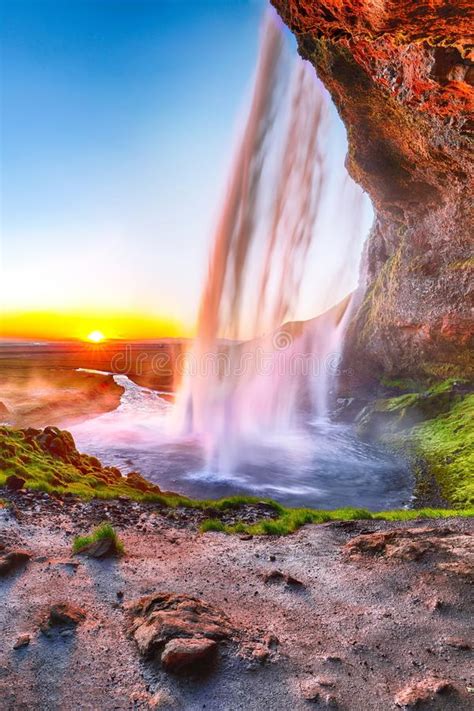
(402,78)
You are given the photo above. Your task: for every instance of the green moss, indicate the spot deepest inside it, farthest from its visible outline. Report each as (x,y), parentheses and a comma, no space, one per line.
(44,471)
(446,444)
(102,532)
(400,384)
(435,428)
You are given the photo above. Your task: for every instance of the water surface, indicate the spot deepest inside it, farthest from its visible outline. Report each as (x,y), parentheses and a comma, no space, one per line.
(322,464)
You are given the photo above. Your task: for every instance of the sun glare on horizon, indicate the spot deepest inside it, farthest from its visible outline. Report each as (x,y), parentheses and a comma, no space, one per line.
(96,336)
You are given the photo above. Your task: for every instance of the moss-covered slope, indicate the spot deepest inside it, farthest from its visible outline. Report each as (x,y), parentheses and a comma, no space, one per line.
(47,460)
(435,427)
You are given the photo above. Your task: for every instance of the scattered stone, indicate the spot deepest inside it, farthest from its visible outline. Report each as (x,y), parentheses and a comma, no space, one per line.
(12,560)
(189,654)
(276,576)
(22,641)
(162,699)
(331,658)
(316,689)
(62,616)
(463,568)
(260,653)
(161,617)
(271,641)
(422,691)
(14,482)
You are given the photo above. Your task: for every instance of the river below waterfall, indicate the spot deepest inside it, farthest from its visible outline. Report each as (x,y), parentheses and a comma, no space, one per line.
(321,465)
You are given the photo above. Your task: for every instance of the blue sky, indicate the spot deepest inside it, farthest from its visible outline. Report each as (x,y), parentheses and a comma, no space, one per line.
(119,120)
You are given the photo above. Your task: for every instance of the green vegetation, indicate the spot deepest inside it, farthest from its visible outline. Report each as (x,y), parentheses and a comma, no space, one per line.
(436,429)
(290,520)
(48,461)
(446,445)
(211,524)
(102,532)
(445,441)
(401,384)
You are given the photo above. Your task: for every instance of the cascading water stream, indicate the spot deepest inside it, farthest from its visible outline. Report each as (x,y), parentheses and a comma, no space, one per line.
(253,406)
(277,188)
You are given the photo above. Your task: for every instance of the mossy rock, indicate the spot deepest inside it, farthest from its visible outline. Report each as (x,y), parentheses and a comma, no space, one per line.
(389,416)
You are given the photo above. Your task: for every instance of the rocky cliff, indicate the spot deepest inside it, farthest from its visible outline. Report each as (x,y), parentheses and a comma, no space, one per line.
(401,76)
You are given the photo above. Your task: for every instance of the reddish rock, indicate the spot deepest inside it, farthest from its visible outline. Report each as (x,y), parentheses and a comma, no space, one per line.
(317,690)
(458,643)
(422,691)
(4,411)
(62,615)
(188,654)
(401,76)
(406,544)
(22,641)
(161,617)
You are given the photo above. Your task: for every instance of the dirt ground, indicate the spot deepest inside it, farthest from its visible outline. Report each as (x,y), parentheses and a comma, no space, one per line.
(366,622)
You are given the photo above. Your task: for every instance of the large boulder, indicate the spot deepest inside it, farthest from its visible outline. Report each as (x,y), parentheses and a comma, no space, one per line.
(161,617)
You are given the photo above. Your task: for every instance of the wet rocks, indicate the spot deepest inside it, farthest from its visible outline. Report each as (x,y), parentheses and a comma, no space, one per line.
(13,560)
(422,691)
(181,655)
(390,69)
(161,617)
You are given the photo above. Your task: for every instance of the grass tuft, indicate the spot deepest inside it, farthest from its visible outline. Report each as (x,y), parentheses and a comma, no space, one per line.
(212,524)
(104,531)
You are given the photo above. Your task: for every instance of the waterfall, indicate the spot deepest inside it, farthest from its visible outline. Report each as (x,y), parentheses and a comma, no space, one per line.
(247,374)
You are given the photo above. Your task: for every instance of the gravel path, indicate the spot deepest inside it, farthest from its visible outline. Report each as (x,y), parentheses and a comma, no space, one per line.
(355,632)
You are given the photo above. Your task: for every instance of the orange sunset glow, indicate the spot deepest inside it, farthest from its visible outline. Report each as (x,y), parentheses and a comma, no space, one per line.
(89,326)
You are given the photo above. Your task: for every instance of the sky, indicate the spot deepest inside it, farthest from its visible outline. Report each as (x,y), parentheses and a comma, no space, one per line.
(119,119)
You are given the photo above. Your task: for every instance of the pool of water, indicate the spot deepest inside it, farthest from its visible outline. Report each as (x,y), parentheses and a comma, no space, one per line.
(322,464)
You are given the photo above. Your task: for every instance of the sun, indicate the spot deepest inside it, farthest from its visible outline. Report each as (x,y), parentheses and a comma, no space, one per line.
(96,336)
